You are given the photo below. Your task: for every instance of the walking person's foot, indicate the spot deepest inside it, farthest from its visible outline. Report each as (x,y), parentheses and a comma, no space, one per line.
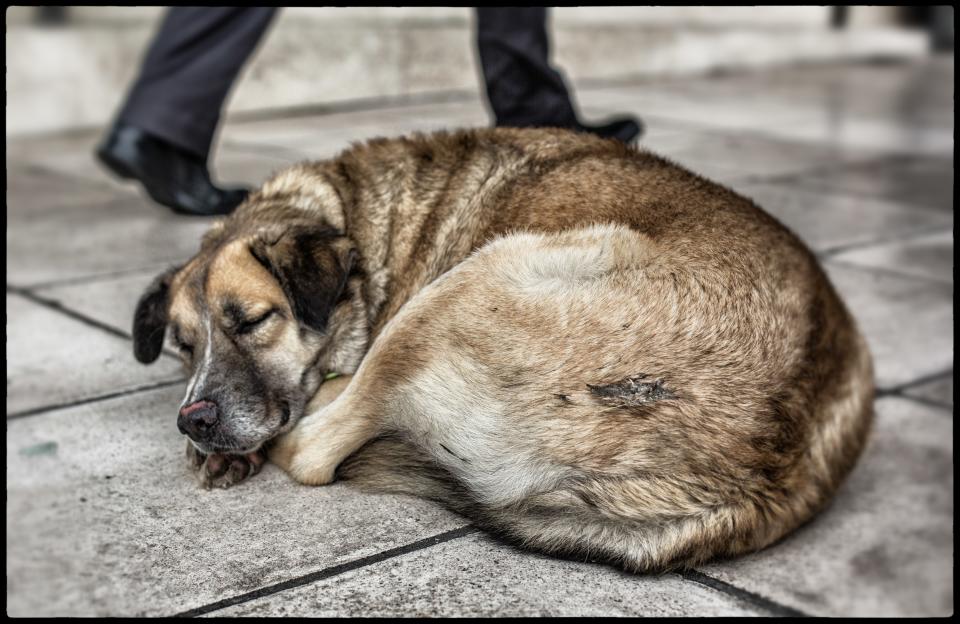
(626,129)
(171,176)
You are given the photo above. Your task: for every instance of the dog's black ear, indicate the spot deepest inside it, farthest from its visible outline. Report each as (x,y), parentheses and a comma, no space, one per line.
(312,264)
(150,318)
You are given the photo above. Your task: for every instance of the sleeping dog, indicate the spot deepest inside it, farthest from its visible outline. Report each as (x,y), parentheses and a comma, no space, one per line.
(584,347)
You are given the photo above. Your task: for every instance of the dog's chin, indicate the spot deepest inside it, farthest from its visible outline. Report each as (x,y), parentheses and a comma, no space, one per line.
(282,417)
(232,448)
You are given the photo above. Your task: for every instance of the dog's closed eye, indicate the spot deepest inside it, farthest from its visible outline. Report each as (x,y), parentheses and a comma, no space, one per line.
(248,325)
(180,343)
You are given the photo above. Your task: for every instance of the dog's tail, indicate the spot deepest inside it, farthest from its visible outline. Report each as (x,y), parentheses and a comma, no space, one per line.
(391,465)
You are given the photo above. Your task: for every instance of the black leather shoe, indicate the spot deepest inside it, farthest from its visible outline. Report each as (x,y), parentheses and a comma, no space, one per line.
(625,129)
(171,176)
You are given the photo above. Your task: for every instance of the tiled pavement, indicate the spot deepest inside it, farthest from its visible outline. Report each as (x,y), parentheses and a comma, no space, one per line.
(102,518)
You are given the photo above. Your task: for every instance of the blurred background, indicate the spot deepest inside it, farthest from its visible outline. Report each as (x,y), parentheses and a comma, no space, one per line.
(68,67)
(836,120)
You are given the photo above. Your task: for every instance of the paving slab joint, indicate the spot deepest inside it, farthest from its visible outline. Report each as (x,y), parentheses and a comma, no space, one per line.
(56,306)
(900,390)
(774,608)
(34,411)
(336,570)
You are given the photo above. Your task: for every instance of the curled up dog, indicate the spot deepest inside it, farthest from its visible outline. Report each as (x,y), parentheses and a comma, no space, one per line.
(583,347)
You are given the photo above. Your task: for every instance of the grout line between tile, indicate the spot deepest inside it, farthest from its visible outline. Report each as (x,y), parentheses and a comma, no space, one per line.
(925,401)
(884,240)
(326,573)
(59,307)
(93,278)
(77,316)
(884,271)
(34,411)
(360,104)
(795,178)
(39,168)
(900,390)
(795,181)
(756,600)
(921,380)
(355,106)
(272,150)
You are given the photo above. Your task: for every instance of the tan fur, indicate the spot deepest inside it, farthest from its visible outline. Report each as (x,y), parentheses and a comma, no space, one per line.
(586,348)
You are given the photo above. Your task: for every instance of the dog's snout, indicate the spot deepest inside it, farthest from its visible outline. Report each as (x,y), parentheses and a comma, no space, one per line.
(197,418)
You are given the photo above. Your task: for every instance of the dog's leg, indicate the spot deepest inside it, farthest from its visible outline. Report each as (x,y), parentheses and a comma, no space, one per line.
(337,424)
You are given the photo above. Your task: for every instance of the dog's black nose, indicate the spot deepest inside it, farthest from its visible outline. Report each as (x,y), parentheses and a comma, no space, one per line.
(197,419)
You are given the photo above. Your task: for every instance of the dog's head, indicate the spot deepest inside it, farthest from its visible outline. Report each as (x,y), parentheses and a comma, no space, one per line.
(258,317)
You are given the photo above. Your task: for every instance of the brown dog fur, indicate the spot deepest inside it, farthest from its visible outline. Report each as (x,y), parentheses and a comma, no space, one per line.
(584,347)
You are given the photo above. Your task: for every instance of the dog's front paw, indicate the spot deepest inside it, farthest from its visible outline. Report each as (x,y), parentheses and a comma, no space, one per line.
(223,471)
(307,466)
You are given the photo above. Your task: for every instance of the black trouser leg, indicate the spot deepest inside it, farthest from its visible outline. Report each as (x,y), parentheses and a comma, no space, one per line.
(188,71)
(522,87)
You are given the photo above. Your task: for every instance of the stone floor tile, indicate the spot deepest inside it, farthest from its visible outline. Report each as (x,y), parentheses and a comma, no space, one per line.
(908,112)
(318,145)
(475,576)
(109,300)
(884,547)
(655,102)
(69,155)
(724,156)
(938,391)
(83,240)
(923,182)
(853,132)
(249,167)
(322,137)
(929,256)
(34,191)
(317,139)
(53,359)
(103,517)
(297,134)
(444,115)
(828,221)
(818,82)
(73,159)
(908,322)
(335,131)
(910,94)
